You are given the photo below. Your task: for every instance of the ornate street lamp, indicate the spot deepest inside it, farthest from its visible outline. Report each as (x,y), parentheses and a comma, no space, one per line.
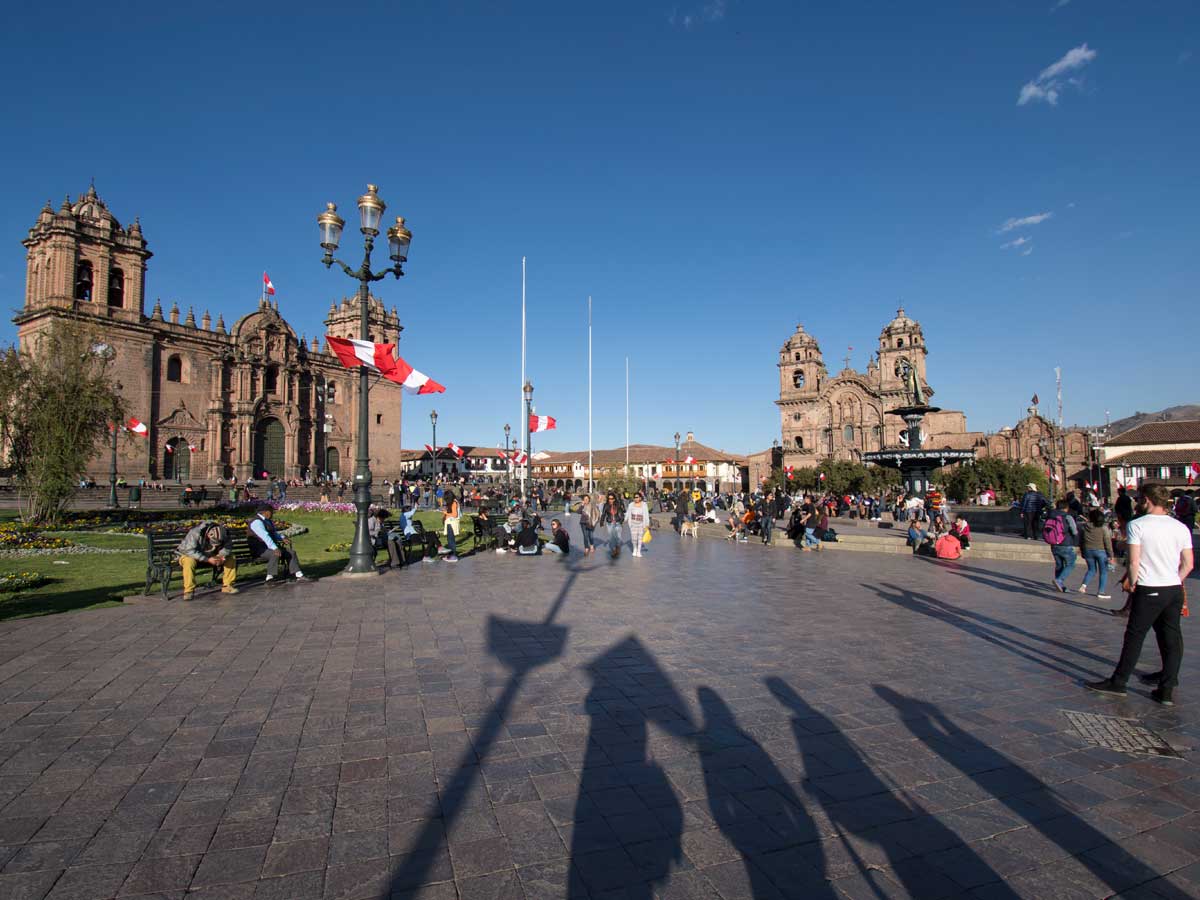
(528,391)
(507,467)
(370,210)
(433,460)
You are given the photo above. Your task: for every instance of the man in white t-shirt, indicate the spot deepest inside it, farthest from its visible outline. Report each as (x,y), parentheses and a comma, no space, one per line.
(1160,557)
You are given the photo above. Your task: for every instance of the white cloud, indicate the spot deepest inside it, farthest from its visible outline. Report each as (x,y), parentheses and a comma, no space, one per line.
(712,11)
(1059,5)
(1024,221)
(1027,250)
(1019,242)
(1047,87)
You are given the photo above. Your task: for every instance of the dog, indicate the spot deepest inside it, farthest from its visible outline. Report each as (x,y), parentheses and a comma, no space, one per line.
(686,528)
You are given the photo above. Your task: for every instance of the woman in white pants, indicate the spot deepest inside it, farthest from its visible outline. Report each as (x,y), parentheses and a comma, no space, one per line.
(637,516)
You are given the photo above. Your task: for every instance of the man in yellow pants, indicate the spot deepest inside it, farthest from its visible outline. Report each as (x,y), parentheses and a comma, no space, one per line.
(207,544)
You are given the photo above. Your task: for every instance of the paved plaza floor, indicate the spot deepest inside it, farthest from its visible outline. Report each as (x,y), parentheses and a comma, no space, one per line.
(710,721)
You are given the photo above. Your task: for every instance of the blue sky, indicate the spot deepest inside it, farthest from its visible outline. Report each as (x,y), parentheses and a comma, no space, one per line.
(711,172)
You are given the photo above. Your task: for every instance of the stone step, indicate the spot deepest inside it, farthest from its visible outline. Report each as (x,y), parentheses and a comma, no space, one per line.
(1018,551)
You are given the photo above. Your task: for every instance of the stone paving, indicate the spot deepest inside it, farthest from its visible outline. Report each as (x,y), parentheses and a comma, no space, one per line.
(710,721)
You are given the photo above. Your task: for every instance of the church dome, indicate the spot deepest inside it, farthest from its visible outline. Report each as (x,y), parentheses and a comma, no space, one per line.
(902,323)
(801,340)
(90,206)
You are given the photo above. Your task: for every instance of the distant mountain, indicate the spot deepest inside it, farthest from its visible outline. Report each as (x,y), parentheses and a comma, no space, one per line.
(1170,414)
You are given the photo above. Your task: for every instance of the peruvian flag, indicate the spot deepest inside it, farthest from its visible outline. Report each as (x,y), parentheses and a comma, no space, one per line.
(1193,472)
(268,287)
(542,423)
(429,448)
(501,453)
(455,449)
(521,458)
(788,470)
(821,477)
(687,460)
(411,380)
(191,447)
(137,427)
(354,353)
(170,449)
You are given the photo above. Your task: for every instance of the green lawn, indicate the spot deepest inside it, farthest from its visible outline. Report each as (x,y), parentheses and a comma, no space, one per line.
(88,581)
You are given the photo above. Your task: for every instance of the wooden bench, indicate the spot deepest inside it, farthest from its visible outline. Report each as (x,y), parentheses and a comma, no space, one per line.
(161,561)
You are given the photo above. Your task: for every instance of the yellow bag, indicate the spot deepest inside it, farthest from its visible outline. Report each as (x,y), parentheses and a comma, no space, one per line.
(646,538)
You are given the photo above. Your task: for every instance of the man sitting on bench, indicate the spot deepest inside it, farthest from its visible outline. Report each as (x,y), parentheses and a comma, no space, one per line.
(207,544)
(269,546)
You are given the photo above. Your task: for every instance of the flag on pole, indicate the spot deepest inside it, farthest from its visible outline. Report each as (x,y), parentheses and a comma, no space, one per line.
(821,477)
(137,427)
(429,448)
(354,353)
(687,460)
(455,449)
(521,458)
(268,286)
(542,423)
(169,448)
(191,447)
(1035,399)
(411,380)
(500,452)
(789,471)
(1193,472)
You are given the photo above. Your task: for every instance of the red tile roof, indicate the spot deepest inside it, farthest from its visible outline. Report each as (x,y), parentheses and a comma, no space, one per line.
(1158,433)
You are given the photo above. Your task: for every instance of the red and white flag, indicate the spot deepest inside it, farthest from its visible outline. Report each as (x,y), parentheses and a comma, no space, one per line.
(521,458)
(191,448)
(137,427)
(411,380)
(429,448)
(688,460)
(501,452)
(542,423)
(354,353)
(268,287)
(455,449)
(1193,472)
(788,470)
(821,477)
(170,449)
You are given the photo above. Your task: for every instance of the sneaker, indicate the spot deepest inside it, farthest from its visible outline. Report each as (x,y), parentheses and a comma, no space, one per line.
(300,576)
(1062,588)
(1106,687)
(443,551)
(1162,696)
(1104,596)
(427,559)
(1151,678)
(501,550)
(1083,588)
(451,558)
(188,596)
(1120,613)
(230,590)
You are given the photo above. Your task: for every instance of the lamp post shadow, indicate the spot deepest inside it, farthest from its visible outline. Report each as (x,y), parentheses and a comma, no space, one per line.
(540,643)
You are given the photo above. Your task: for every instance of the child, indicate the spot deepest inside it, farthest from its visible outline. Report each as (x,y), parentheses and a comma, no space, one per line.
(962,531)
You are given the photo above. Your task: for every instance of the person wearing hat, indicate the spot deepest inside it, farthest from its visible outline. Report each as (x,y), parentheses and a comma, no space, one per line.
(1033,502)
(207,544)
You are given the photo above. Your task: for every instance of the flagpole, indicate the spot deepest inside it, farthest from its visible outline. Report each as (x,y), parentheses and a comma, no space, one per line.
(627,417)
(521,387)
(591,486)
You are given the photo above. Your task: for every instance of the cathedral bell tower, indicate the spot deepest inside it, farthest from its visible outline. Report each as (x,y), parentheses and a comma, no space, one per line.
(343,321)
(900,339)
(802,374)
(79,259)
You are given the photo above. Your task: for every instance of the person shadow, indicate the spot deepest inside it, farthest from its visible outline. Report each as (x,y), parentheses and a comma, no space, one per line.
(906,829)
(778,816)
(628,822)
(522,647)
(1107,862)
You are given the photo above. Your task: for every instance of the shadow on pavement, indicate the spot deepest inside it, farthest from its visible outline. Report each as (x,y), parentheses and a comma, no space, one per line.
(1038,804)
(994,631)
(905,831)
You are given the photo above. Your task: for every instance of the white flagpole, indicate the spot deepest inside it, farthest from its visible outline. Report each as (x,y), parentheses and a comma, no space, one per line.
(591,486)
(521,388)
(627,417)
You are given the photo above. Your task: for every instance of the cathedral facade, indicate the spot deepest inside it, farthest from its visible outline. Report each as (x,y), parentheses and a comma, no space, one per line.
(846,415)
(219,402)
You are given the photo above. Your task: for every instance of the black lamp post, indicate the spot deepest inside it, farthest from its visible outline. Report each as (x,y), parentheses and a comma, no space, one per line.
(507,468)
(528,390)
(370,209)
(678,467)
(433,461)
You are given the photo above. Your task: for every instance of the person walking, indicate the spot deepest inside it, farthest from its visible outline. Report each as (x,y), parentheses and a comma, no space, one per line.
(1031,506)
(612,515)
(766,513)
(681,510)
(452,521)
(589,518)
(637,515)
(1160,558)
(1095,543)
(1062,534)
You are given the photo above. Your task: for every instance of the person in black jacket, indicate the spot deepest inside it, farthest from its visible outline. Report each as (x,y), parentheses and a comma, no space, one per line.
(612,514)
(681,509)
(766,516)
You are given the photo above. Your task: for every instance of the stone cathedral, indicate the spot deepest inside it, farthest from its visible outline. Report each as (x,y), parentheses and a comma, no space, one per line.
(219,402)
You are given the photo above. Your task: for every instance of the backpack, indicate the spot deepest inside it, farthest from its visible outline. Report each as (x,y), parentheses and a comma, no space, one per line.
(1053,532)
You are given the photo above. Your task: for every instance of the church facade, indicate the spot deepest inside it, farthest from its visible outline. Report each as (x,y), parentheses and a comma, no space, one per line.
(219,402)
(844,416)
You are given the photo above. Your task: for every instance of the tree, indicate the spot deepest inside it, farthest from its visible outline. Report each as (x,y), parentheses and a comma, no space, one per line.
(1008,479)
(57,401)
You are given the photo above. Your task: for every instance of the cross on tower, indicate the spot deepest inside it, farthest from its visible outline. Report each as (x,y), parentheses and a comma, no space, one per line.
(846,360)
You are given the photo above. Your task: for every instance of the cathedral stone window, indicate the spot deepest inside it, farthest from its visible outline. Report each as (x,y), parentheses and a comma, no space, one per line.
(848,433)
(331,392)
(798,379)
(799,442)
(175,369)
(798,357)
(899,342)
(116,288)
(83,281)
(271,380)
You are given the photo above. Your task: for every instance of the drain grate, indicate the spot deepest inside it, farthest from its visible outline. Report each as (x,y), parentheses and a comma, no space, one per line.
(1122,735)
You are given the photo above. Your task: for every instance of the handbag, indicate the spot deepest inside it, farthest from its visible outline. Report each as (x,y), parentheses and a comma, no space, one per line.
(646,536)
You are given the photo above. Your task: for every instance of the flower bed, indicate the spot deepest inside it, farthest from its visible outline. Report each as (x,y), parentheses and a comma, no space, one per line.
(15,536)
(312,506)
(20,581)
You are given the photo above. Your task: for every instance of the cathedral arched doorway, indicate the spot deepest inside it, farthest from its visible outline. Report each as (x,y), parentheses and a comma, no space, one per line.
(269,448)
(177,460)
(333,462)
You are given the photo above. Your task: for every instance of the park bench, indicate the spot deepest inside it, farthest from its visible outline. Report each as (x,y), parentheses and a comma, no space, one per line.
(161,561)
(485,532)
(197,497)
